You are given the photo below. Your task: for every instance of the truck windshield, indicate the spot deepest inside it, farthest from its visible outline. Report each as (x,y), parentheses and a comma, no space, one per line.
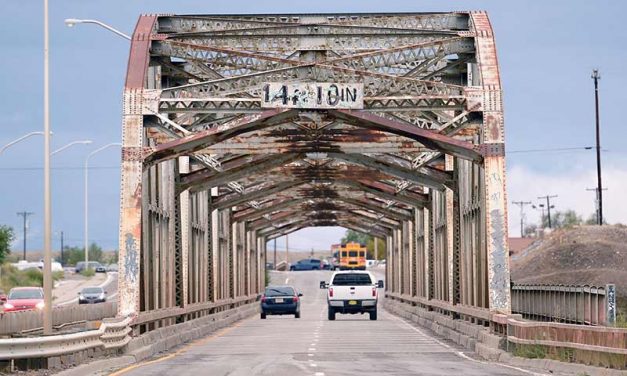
(352,279)
(352,254)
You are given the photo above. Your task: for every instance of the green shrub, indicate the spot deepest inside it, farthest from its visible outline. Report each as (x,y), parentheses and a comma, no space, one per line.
(88,272)
(530,351)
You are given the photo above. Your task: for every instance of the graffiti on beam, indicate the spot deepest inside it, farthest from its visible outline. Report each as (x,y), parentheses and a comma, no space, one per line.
(500,280)
(131,266)
(313,95)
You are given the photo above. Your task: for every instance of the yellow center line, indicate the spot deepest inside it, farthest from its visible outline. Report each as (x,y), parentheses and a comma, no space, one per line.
(180,351)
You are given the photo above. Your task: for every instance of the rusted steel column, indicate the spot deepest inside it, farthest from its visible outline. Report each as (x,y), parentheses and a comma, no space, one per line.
(215,248)
(493,149)
(130,240)
(185,228)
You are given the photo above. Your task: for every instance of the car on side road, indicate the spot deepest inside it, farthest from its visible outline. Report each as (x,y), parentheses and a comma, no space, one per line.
(98,267)
(24,299)
(280,300)
(352,292)
(91,295)
(307,264)
(3,297)
(112,268)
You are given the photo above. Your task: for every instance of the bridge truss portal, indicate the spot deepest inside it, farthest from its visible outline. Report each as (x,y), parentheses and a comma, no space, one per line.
(238,129)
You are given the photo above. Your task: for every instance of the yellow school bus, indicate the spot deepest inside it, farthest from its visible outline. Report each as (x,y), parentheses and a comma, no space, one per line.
(352,256)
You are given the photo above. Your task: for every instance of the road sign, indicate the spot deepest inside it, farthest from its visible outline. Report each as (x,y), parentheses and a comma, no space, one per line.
(313,95)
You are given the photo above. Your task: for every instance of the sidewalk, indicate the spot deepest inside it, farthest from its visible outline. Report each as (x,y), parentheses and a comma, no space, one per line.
(66,291)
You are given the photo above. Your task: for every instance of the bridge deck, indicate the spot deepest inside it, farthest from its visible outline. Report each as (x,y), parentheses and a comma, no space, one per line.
(312,345)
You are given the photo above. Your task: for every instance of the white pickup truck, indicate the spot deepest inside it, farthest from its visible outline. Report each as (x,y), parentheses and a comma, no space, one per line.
(352,292)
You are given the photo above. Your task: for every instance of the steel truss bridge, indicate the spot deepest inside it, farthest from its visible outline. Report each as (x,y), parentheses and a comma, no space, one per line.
(211,173)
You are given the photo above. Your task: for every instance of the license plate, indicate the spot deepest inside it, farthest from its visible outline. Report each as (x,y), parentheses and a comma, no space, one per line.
(278,300)
(352,302)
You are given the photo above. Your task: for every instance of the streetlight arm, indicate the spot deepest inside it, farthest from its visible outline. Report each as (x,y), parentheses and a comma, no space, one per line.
(20,139)
(85,142)
(101,149)
(72,21)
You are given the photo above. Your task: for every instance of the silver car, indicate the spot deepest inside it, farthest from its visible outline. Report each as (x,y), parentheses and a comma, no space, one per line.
(90,295)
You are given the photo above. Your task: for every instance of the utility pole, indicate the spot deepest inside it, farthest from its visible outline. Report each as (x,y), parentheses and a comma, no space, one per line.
(596,77)
(596,201)
(61,248)
(548,206)
(274,254)
(25,216)
(376,249)
(287,252)
(522,214)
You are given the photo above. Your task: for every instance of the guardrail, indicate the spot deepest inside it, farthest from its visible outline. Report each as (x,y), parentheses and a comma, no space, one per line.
(112,334)
(22,322)
(482,314)
(588,305)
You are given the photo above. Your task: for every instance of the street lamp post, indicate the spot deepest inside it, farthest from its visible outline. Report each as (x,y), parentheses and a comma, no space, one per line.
(73,21)
(47,269)
(86,169)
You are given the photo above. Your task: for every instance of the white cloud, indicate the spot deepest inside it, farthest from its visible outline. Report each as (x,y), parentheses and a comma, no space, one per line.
(525,184)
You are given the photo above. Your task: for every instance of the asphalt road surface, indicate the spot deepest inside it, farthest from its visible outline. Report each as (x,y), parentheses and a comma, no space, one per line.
(312,345)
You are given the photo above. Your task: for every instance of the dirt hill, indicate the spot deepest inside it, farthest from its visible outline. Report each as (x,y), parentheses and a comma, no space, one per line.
(590,255)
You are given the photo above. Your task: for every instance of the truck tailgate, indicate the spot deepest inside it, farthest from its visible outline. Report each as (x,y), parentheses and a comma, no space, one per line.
(352,293)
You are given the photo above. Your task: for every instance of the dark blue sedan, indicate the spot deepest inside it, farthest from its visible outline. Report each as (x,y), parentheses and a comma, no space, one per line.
(307,264)
(280,300)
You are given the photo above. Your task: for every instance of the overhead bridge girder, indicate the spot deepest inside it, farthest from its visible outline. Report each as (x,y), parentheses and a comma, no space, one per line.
(214,165)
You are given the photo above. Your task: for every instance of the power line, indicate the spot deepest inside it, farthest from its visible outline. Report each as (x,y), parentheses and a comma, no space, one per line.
(549,149)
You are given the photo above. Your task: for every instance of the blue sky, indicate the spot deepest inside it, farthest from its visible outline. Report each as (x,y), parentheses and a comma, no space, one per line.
(547,50)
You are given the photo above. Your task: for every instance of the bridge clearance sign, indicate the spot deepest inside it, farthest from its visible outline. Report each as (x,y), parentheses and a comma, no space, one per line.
(313,95)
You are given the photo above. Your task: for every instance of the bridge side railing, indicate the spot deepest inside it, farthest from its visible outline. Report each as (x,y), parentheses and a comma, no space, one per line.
(587,305)
(26,322)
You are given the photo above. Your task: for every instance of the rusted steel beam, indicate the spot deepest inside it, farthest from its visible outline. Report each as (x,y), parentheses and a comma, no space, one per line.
(430,139)
(131,208)
(204,181)
(201,140)
(431,181)
(275,205)
(236,199)
(386,192)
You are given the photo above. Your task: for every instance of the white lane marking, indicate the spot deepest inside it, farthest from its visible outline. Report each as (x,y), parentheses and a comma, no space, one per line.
(310,354)
(461,354)
(313,365)
(311,349)
(319,374)
(286,280)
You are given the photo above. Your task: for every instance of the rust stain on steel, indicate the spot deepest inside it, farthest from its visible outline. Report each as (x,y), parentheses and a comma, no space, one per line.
(201,140)
(428,138)
(139,55)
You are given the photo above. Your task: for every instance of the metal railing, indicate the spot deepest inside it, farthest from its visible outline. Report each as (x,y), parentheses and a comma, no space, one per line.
(112,334)
(588,305)
(23,322)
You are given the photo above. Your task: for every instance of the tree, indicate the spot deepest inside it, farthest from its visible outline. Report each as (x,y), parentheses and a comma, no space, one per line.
(6,237)
(592,220)
(530,230)
(357,237)
(562,219)
(368,240)
(72,255)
